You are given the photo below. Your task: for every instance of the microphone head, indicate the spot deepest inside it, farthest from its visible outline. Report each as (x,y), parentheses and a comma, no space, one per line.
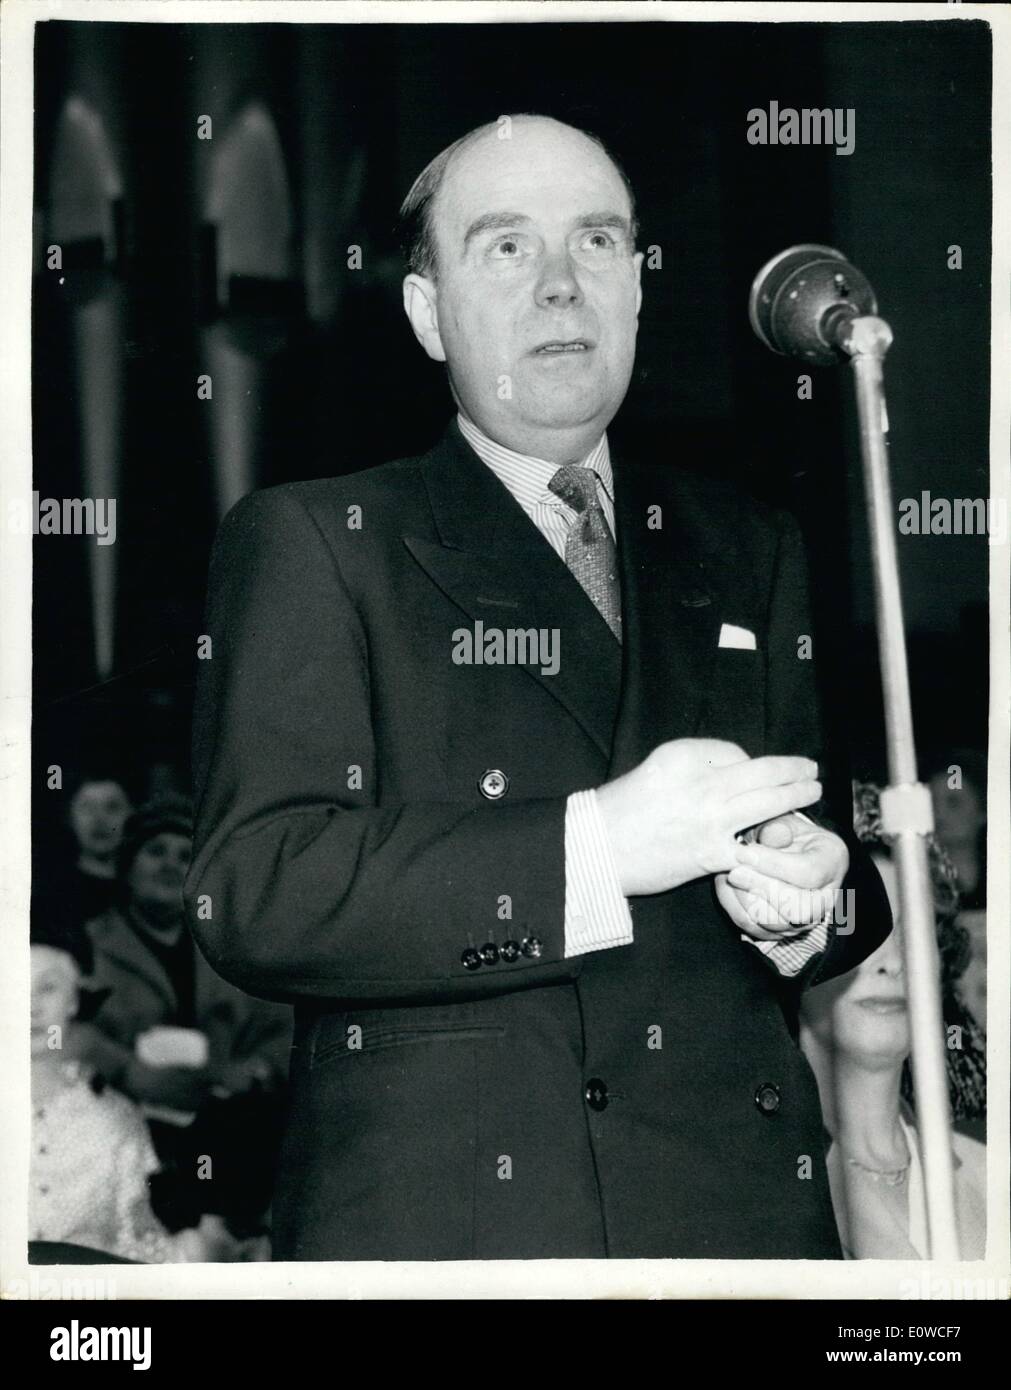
(801,297)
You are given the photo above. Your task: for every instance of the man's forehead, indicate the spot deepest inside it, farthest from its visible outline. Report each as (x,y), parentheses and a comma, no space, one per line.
(540,159)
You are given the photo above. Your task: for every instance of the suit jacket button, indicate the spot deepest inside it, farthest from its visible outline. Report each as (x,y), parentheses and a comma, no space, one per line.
(493,784)
(471,959)
(489,953)
(596,1093)
(509,950)
(767,1098)
(532,946)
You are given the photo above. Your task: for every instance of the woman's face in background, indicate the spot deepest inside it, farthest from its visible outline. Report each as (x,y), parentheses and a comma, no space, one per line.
(98,813)
(863,1014)
(159,870)
(55,979)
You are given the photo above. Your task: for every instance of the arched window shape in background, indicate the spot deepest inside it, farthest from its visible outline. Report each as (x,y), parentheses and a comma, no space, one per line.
(84,218)
(85,189)
(249,208)
(252,283)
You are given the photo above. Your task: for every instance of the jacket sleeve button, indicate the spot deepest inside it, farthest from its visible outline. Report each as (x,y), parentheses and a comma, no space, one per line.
(532,946)
(489,953)
(470,959)
(509,951)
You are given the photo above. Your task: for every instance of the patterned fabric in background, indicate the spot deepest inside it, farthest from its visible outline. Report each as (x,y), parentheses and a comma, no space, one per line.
(91,1158)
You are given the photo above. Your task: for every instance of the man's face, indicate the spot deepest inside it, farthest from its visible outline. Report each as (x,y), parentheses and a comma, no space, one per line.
(536,299)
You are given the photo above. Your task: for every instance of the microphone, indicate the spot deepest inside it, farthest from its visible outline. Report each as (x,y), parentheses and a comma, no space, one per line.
(803,299)
(809,302)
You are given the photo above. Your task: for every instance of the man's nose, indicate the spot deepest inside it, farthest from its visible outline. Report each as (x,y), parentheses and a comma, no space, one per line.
(557,286)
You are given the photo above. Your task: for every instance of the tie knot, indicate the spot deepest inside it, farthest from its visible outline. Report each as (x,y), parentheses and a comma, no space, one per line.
(576,486)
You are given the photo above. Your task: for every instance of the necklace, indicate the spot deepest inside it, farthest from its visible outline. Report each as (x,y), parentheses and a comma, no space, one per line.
(892,1176)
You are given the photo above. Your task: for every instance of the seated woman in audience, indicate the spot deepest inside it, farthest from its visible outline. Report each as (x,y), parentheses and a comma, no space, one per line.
(154,978)
(207,1061)
(91,1152)
(855,1034)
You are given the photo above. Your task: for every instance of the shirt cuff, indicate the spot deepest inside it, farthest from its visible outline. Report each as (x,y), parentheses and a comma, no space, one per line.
(597,914)
(791,954)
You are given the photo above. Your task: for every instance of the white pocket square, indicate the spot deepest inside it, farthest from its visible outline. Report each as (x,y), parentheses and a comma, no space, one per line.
(738,637)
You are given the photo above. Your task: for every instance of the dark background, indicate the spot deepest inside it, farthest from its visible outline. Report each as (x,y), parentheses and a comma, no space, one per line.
(178,257)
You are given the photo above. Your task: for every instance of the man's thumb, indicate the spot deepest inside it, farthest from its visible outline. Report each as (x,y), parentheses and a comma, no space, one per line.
(776,834)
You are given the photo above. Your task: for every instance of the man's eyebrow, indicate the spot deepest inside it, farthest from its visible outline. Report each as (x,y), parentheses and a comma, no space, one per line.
(493,221)
(605,219)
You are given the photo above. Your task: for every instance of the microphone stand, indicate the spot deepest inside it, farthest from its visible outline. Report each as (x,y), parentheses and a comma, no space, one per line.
(906,811)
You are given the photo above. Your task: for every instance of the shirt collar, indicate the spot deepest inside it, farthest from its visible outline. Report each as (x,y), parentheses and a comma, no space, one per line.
(527,477)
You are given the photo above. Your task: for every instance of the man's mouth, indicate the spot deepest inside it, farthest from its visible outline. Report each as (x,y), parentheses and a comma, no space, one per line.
(561,345)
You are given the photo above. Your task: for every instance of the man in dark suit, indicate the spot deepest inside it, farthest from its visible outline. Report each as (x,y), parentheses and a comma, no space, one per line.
(475,751)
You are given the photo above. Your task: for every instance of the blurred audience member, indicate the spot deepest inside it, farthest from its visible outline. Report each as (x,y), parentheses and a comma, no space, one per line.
(91,1151)
(966,1060)
(958,791)
(958,794)
(971,984)
(98,812)
(207,1061)
(155,978)
(76,834)
(855,1033)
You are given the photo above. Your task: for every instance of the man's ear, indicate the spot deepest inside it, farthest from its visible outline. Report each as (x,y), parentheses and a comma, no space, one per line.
(421,307)
(637,260)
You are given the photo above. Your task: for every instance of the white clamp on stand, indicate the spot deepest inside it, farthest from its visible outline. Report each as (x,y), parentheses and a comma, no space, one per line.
(810,302)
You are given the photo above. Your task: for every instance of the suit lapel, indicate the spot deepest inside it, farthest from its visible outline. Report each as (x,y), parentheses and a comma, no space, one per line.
(671,612)
(494,564)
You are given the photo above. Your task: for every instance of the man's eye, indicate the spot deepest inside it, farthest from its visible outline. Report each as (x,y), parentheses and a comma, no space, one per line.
(507,249)
(598,241)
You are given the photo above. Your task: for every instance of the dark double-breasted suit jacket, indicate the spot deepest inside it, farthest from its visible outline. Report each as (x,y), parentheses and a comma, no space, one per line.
(641,1101)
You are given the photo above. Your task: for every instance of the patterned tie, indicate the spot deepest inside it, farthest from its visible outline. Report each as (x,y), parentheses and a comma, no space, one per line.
(589,549)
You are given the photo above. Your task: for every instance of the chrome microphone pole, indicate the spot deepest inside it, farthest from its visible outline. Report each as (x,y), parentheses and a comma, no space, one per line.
(810,302)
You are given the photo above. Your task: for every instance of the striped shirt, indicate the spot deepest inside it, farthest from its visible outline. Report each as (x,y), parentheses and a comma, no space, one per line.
(597,914)
(528,478)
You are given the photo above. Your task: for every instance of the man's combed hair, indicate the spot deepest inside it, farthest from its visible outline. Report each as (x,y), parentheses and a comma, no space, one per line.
(416,221)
